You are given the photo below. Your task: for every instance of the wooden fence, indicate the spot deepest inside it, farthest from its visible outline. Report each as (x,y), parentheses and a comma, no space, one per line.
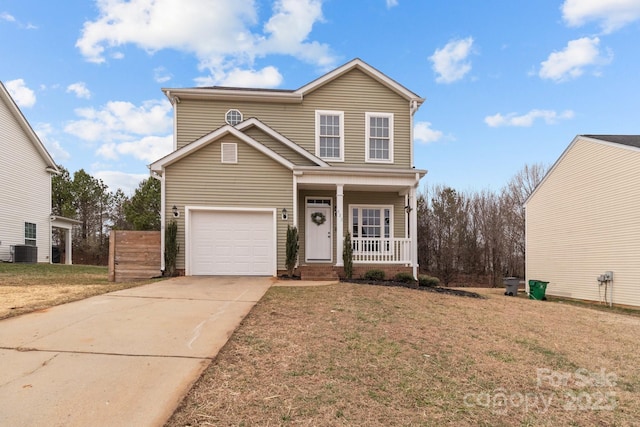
(134,255)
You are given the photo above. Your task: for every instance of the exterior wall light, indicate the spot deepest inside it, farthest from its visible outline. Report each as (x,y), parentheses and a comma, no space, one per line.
(285,214)
(175,211)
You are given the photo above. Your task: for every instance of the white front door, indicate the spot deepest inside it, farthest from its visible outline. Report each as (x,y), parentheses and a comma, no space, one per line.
(318,228)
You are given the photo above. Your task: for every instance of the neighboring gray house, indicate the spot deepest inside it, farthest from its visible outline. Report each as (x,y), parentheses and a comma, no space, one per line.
(25,188)
(583,220)
(331,157)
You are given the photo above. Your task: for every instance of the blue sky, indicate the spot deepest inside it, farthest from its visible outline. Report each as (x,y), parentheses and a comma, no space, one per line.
(507,83)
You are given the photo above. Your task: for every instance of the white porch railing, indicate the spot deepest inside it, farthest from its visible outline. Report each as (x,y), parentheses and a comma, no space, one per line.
(389,251)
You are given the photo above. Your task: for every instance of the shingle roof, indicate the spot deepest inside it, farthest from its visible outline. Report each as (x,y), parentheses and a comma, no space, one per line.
(631,140)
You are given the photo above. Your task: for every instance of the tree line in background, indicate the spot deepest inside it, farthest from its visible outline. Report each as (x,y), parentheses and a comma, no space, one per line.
(462,236)
(88,199)
(475,236)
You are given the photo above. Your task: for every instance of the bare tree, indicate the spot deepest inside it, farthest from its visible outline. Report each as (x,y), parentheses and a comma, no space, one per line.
(480,234)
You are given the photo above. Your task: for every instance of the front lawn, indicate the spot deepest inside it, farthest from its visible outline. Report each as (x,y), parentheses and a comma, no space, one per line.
(353,354)
(29,287)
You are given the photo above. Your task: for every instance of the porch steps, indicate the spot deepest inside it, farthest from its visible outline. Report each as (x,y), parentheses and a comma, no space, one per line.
(318,272)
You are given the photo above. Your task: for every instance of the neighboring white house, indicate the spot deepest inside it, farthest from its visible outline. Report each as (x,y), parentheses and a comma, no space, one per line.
(583,220)
(25,189)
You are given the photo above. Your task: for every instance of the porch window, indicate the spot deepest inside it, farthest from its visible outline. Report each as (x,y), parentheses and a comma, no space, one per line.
(379,137)
(371,228)
(29,234)
(330,135)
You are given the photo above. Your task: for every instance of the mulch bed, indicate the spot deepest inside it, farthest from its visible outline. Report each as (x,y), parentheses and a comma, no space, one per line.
(436,289)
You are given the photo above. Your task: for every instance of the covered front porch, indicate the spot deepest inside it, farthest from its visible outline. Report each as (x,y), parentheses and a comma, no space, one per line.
(376,208)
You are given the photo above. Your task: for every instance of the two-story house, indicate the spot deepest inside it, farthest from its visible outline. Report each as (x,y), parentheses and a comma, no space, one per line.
(331,157)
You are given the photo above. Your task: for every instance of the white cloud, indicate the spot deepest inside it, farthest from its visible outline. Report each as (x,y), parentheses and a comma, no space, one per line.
(121,121)
(391,3)
(224,35)
(80,89)
(7,17)
(570,63)
(422,132)
(161,75)
(21,94)
(450,63)
(264,78)
(45,132)
(127,182)
(526,120)
(610,14)
(148,148)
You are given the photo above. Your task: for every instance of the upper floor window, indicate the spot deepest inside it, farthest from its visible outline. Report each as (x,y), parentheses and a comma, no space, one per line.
(330,135)
(233,117)
(379,136)
(29,234)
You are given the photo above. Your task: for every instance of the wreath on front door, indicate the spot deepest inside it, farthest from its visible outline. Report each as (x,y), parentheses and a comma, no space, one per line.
(318,218)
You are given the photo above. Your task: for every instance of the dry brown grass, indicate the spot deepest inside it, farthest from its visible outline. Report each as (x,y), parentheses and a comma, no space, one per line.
(368,355)
(29,287)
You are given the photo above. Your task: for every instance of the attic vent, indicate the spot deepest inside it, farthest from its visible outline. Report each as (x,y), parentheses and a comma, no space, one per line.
(229,152)
(233,117)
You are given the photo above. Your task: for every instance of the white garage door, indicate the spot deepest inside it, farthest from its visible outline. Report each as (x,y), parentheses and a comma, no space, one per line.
(232,243)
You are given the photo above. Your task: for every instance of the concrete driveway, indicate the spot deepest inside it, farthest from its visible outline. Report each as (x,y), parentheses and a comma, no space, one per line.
(121,359)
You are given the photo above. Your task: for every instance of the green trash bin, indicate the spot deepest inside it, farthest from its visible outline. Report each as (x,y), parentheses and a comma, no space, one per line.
(537,289)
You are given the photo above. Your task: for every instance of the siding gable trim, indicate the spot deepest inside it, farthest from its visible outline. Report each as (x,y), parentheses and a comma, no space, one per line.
(279,137)
(28,130)
(159,165)
(368,70)
(566,151)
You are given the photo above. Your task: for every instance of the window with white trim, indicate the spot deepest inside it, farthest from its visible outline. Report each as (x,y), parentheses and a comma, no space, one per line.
(379,134)
(29,234)
(229,152)
(233,117)
(371,228)
(330,135)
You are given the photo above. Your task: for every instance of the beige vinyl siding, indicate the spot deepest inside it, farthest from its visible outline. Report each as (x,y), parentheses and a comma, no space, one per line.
(25,187)
(277,146)
(256,181)
(351,198)
(355,93)
(583,220)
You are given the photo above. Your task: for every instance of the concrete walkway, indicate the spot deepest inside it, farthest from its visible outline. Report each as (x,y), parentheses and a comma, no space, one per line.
(121,359)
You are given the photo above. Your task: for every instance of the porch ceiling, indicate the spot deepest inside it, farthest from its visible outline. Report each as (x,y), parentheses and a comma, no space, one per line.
(356,187)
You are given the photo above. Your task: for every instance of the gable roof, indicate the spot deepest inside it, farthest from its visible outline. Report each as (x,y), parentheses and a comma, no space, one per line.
(27,129)
(253,122)
(372,72)
(290,96)
(631,142)
(188,149)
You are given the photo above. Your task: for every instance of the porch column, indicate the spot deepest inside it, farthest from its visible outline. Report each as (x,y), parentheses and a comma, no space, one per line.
(339,224)
(413,220)
(67,247)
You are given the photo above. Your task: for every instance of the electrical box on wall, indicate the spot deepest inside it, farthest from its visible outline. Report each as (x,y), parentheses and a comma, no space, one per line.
(608,275)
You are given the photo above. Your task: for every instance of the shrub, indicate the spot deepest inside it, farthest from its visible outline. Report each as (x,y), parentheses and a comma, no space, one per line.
(404,277)
(428,281)
(347,256)
(374,275)
(292,249)
(171,248)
